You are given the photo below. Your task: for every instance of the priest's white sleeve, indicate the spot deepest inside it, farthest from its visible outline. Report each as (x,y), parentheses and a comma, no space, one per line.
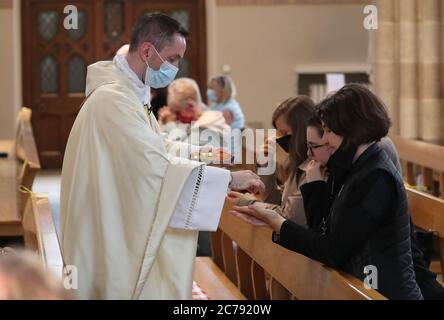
(200,204)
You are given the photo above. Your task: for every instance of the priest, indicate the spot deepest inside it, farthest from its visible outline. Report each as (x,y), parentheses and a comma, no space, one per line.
(132,203)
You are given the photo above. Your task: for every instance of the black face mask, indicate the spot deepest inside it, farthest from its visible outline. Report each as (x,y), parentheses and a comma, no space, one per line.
(284,142)
(341,161)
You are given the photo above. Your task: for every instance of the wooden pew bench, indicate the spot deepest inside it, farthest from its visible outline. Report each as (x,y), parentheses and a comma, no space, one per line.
(18,169)
(10,217)
(40,233)
(261,269)
(214,282)
(428,213)
(427,210)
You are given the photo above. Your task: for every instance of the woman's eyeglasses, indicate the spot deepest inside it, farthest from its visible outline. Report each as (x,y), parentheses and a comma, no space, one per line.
(311,147)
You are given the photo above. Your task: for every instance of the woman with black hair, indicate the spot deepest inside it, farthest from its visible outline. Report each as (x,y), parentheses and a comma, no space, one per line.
(361,218)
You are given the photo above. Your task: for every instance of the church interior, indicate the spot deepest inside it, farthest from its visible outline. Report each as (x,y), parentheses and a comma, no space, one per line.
(266,55)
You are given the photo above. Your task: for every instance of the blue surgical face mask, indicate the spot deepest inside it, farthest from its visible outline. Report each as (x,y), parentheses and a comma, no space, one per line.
(162,77)
(211,94)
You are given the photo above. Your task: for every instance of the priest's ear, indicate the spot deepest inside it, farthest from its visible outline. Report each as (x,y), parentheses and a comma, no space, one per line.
(147,50)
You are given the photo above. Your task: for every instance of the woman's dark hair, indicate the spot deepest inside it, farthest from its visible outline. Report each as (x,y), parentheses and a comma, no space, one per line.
(299,111)
(356,114)
(316,123)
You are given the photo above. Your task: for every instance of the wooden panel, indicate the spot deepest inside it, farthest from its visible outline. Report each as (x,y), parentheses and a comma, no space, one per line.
(214,282)
(229,258)
(26,153)
(259,285)
(216,248)
(410,175)
(10,217)
(278,291)
(441,185)
(303,277)
(40,234)
(421,153)
(427,211)
(428,179)
(244,263)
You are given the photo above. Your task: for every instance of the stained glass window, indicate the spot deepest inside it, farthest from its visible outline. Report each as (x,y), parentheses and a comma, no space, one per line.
(113,20)
(76,74)
(47,24)
(49,70)
(182,16)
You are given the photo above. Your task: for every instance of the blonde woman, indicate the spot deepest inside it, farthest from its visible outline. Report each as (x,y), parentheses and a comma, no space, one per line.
(186,118)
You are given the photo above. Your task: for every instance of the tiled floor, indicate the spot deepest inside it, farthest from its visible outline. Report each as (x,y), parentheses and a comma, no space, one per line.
(48,181)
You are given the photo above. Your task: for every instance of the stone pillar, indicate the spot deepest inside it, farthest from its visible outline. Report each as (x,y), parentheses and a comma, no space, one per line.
(429,70)
(408,99)
(385,67)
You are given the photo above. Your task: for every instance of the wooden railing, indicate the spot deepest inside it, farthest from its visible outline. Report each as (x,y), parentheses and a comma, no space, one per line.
(426,158)
(427,209)
(26,153)
(40,233)
(252,261)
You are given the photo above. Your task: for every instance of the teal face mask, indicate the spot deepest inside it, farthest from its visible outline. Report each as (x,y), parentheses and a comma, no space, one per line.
(162,77)
(211,95)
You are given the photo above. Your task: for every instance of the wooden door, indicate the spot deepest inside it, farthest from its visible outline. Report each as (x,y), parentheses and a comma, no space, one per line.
(54,70)
(191,14)
(55,59)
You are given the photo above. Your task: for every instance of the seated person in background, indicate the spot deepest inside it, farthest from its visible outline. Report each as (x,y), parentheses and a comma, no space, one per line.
(221,95)
(361,218)
(23,277)
(290,205)
(185,118)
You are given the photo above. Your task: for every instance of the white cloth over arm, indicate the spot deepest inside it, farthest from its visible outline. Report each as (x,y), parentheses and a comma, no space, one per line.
(200,204)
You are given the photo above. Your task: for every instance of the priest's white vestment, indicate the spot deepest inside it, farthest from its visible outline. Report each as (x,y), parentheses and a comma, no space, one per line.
(130,211)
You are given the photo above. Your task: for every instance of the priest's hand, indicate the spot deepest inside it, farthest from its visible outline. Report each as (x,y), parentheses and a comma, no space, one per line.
(259,216)
(246,180)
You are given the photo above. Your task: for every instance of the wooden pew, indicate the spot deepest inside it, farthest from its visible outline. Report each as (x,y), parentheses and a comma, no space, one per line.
(428,213)
(10,217)
(18,169)
(26,153)
(249,259)
(214,282)
(40,233)
(426,157)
